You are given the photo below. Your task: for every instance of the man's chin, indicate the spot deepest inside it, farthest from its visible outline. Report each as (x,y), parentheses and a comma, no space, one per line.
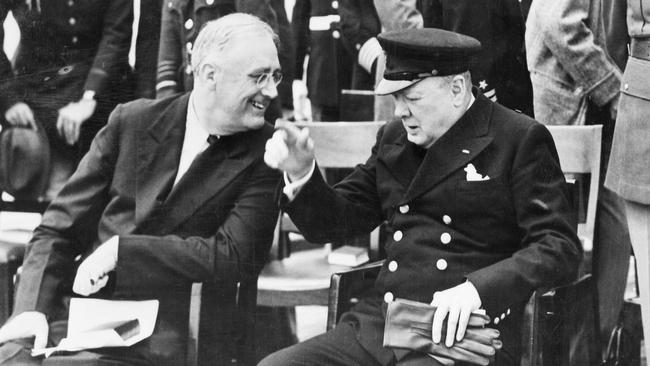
(255,122)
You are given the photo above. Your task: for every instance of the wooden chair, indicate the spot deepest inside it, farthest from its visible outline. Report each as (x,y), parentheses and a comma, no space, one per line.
(579,148)
(551,318)
(302,278)
(15,233)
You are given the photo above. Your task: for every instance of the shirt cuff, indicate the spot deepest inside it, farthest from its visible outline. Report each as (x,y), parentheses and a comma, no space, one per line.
(113,244)
(291,189)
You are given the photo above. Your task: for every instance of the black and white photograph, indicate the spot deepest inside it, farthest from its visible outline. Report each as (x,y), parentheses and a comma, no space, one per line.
(324,182)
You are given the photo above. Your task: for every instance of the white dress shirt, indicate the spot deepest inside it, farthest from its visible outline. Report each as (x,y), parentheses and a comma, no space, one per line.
(194,142)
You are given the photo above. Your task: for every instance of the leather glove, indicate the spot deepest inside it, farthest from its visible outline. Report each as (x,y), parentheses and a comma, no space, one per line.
(408,326)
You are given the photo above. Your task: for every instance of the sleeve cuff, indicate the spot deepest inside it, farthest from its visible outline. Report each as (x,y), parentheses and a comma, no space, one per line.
(606,90)
(291,189)
(114,244)
(368,53)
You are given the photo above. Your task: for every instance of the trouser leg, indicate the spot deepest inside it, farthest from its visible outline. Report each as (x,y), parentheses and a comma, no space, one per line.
(336,347)
(638,217)
(611,259)
(17,353)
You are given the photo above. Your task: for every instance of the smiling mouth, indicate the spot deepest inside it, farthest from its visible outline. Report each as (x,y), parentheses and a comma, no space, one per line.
(258,105)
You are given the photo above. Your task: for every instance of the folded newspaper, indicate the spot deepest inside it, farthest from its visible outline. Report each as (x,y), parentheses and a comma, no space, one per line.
(96,323)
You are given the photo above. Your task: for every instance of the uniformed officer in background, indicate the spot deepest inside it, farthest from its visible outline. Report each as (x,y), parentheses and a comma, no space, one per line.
(475,202)
(359,27)
(71,69)
(500,68)
(329,69)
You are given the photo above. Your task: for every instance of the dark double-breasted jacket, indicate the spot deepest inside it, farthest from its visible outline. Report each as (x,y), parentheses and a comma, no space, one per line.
(509,233)
(182,21)
(68,47)
(214,226)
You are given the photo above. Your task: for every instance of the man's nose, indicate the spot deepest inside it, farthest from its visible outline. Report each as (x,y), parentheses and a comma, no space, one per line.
(270,90)
(401,110)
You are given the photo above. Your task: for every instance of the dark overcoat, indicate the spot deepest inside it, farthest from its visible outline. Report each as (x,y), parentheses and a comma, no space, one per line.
(509,234)
(214,226)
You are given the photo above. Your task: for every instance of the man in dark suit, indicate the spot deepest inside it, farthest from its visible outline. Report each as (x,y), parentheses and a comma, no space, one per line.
(475,203)
(153,207)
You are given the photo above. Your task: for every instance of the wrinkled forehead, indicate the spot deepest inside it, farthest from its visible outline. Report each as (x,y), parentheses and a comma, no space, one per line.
(249,38)
(249,47)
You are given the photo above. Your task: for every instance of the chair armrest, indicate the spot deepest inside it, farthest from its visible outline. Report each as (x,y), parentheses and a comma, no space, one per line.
(559,321)
(346,288)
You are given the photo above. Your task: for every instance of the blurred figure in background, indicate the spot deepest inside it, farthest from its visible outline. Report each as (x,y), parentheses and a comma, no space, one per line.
(359,26)
(146,48)
(286,53)
(71,69)
(317,34)
(500,69)
(575,82)
(628,173)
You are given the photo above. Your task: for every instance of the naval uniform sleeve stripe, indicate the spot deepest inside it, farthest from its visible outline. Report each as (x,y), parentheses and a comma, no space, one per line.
(165,84)
(368,53)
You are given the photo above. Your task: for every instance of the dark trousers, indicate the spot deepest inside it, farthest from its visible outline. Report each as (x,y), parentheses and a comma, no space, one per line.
(337,347)
(612,247)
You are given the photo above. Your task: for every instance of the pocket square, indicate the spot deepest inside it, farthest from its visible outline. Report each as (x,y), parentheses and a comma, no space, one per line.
(473,175)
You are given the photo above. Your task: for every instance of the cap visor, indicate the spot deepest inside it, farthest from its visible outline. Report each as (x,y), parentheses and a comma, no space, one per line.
(386,87)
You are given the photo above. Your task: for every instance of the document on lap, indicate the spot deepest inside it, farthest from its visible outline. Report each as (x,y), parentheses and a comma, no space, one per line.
(97,323)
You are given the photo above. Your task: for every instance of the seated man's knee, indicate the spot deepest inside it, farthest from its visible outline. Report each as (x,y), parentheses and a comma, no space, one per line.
(16,354)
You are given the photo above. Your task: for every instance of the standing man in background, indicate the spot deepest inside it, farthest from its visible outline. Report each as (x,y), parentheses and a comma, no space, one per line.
(575,82)
(329,70)
(628,173)
(71,69)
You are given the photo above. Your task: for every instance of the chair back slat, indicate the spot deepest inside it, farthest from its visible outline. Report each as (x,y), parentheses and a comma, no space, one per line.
(579,148)
(342,144)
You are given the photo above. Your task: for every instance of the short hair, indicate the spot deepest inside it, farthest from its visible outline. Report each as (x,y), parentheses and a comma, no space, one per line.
(465,74)
(216,34)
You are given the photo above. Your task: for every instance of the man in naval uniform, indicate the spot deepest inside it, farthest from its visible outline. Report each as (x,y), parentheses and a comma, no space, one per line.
(475,203)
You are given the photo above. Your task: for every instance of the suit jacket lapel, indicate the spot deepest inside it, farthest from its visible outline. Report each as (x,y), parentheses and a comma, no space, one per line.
(455,149)
(158,154)
(199,185)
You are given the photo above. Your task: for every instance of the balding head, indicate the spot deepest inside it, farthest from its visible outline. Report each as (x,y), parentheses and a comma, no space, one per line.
(216,35)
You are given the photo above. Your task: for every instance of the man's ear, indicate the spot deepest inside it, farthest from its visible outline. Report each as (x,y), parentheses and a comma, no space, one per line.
(458,89)
(208,73)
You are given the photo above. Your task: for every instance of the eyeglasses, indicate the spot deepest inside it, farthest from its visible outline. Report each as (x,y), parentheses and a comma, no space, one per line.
(263,78)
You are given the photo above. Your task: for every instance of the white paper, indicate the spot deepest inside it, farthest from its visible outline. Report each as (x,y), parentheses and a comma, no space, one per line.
(91,323)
